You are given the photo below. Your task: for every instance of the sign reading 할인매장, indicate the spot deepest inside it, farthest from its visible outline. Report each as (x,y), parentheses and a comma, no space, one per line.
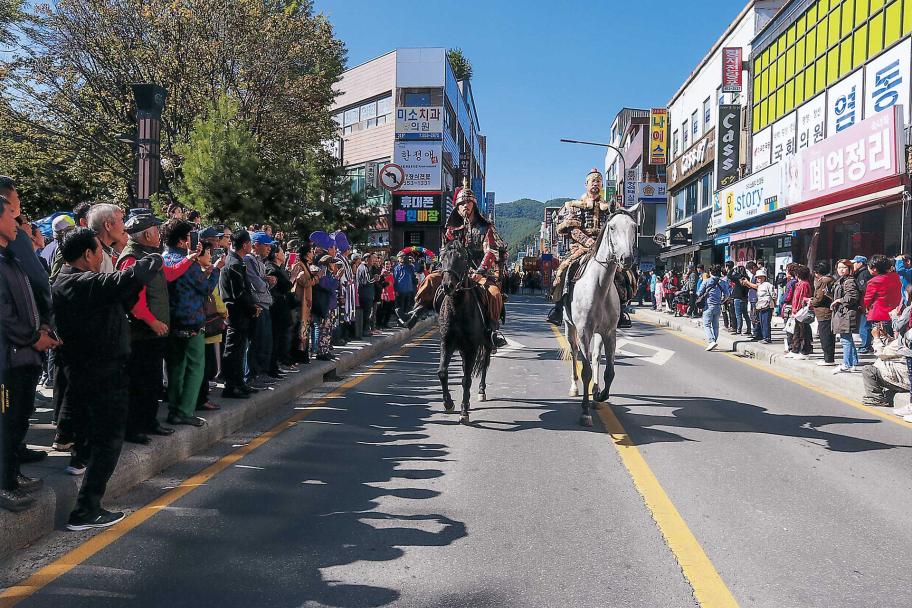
(417,208)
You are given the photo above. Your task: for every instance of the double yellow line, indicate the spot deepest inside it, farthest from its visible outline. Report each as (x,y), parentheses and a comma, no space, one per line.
(708,587)
(13,595)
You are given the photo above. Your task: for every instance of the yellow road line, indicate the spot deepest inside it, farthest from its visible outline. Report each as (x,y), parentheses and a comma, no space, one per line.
(708,587)
(795,380)
(48,574)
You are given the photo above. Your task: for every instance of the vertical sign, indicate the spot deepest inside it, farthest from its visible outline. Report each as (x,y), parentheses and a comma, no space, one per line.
(761,144)
(887,81)
(630,188)
(728,145)
(811,121)
(370,175)
(731,69)
(784,141)
(658,136)
(844,103)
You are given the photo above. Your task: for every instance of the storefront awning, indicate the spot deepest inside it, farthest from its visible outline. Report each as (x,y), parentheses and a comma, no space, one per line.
(812,218)
(676,251)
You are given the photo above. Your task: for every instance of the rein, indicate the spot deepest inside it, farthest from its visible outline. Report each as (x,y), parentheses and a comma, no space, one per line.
(612,257)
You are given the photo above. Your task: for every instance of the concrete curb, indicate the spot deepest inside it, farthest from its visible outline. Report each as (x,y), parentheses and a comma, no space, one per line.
(141,462)
(771,355)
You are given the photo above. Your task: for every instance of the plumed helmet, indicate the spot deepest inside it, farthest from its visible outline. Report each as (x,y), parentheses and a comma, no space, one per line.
(340,240)
(321,239)
(465,193)
(593,171)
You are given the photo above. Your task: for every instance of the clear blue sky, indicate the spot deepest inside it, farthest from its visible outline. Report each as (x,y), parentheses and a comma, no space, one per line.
(545,70)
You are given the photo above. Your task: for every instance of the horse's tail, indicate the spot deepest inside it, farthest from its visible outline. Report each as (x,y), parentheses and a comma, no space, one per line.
(480,359)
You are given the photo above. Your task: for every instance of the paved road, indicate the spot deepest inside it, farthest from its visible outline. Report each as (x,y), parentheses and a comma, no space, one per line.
(378,498)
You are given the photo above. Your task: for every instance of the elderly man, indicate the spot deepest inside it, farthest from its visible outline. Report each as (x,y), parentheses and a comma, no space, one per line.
(107,221)
(260,349)
(90,309)
(237,292)
(149,326)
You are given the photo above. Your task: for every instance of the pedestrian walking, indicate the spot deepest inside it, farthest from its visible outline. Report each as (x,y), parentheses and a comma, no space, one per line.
(712,293)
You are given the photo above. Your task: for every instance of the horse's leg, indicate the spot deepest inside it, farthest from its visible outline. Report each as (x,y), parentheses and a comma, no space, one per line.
(571,340)
(596,367)
(586,376)
(443,372)
(468,360)
(482,386)
(610,343)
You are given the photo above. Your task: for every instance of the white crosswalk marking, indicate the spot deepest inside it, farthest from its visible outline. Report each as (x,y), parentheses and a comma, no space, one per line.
(658,356)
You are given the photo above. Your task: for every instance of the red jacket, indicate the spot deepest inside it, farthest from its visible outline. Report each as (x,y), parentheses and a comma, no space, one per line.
(800,293)
(883,294)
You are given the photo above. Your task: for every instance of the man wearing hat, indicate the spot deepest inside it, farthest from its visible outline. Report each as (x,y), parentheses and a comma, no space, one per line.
(862,276)
(260,350)
(149,320)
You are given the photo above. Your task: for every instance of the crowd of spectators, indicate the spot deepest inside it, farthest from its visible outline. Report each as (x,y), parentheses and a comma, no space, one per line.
(864,303)
(123,311)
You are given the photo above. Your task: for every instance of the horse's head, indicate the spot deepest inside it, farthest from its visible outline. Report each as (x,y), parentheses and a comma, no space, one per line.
(454,264)
(619,237)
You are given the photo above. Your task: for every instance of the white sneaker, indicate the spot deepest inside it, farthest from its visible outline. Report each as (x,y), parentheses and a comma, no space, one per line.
(905,410)
(712,345)
(789,355)
(801,357)
(824,364)
(841,369)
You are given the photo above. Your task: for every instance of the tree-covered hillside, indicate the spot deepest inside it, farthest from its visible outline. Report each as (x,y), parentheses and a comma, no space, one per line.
(519,222)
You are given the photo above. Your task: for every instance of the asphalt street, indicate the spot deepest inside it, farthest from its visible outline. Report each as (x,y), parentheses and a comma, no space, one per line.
(373,496)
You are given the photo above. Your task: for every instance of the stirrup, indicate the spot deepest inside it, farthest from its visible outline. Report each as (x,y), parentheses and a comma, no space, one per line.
(556,315)
(498,340)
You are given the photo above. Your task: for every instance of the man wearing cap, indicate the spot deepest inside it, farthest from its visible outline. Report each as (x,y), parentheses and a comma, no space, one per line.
(260,349)
(237,293)
(862,276)
(149,319)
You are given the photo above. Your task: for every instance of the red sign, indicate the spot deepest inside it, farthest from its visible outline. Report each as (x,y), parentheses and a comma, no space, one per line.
(731,69)
(864,153)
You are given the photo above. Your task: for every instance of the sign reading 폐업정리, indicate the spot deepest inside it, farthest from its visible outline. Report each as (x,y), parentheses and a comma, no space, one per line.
(417,208)
(658,136)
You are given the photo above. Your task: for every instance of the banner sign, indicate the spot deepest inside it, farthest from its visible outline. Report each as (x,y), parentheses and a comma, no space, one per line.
(418,208)
(421,162)
(371,170)
(811,121)
(784,140)
(728,145)
(755,195)
(652,191)
(865,153)
(887,80)
(630,188)
(658,136)
(844,103)
(762,145)
(731,70)
(419,123)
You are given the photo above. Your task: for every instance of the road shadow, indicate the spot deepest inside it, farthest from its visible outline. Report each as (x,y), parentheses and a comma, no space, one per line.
(728,416)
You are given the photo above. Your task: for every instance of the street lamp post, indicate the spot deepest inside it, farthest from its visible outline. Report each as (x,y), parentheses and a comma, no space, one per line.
(601,145)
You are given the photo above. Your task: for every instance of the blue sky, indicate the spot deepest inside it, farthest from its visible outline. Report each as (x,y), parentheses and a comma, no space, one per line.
(546,70)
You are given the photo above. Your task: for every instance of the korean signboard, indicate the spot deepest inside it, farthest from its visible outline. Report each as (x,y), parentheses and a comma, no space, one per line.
(371,170)
(731,70)
(419,123)
(865,153)
(811,121)
(784,136)
(658,136)
(699,155)
(728,146)
(844,103)
(887,81)
(489,203)
(755,195)
(630,188)
(421,162)
(418,209)
(652,191)
(761,149)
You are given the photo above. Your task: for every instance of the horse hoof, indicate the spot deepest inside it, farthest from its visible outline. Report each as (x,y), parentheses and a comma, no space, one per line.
(464,419)
(482,397)
(574,392)
(449,406)
(585,420)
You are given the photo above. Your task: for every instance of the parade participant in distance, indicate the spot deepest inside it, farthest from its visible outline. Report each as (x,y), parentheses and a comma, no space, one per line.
(468,224)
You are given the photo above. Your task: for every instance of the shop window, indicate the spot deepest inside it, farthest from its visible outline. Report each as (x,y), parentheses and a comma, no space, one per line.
(706,190)
(692,191)
(875,34)
(893,23)
(679,206)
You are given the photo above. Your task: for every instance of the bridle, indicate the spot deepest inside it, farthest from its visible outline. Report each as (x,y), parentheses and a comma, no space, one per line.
(461,279)
(612,255)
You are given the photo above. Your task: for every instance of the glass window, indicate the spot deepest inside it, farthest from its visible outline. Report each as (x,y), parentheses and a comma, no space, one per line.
(706,191)
(415,100)
(684,131)
(893,21)
(876,5)
(907,17)
(780,103)
(694,125)
(385,106)
(845,56)
(800,59)
(790,36)
(679,205)
(822,7)
(848,16)
(812,16)
(834,24)
(860,44)
(674,143)
(381,120)
(811,51)
(757,92)
(780,70)
(821,37)
(875,34)
(809,86)
(339,119)
(789,95)
(369,110)
(790,62)
(756,117)
(861,12)
(352,116)
(821,76)
(802,26)
(690,203)
(774,75)
(707,113)
(799,89)
(832,65)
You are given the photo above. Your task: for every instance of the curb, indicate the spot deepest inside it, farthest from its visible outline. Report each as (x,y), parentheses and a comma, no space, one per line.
(139,463)
(847,385)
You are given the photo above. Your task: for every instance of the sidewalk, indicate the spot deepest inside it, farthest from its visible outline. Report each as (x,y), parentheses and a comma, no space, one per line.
(141,462)
(849,385)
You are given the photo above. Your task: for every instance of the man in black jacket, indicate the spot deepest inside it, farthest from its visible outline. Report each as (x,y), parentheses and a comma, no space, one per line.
(237,293)
(27,331)
(90,308)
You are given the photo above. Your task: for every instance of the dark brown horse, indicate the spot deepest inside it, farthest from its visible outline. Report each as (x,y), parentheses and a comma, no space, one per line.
(462,326)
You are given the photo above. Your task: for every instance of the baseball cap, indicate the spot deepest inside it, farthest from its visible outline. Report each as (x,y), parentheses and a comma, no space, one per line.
(261,238)
(860,259)
(143,221)
(210,232)
(62,222)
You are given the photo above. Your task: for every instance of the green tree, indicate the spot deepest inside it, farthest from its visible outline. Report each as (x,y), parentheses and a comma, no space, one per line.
(221,166)
(462,68)
(10,14)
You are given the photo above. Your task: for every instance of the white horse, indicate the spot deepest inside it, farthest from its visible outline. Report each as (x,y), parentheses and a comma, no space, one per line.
(592,315)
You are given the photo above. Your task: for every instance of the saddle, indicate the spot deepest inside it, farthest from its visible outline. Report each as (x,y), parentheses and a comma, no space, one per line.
(579,267)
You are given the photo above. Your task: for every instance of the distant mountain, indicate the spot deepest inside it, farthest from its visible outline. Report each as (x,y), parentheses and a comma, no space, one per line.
(519,222)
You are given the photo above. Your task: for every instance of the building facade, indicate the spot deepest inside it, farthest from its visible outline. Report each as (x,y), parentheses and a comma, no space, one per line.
(829,105)
(408,135)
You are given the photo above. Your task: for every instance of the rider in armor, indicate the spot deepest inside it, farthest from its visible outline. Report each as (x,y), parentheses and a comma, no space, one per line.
(468,224)
(580,222)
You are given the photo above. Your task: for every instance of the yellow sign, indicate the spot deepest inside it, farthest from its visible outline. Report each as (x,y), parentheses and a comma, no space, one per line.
(658,136)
